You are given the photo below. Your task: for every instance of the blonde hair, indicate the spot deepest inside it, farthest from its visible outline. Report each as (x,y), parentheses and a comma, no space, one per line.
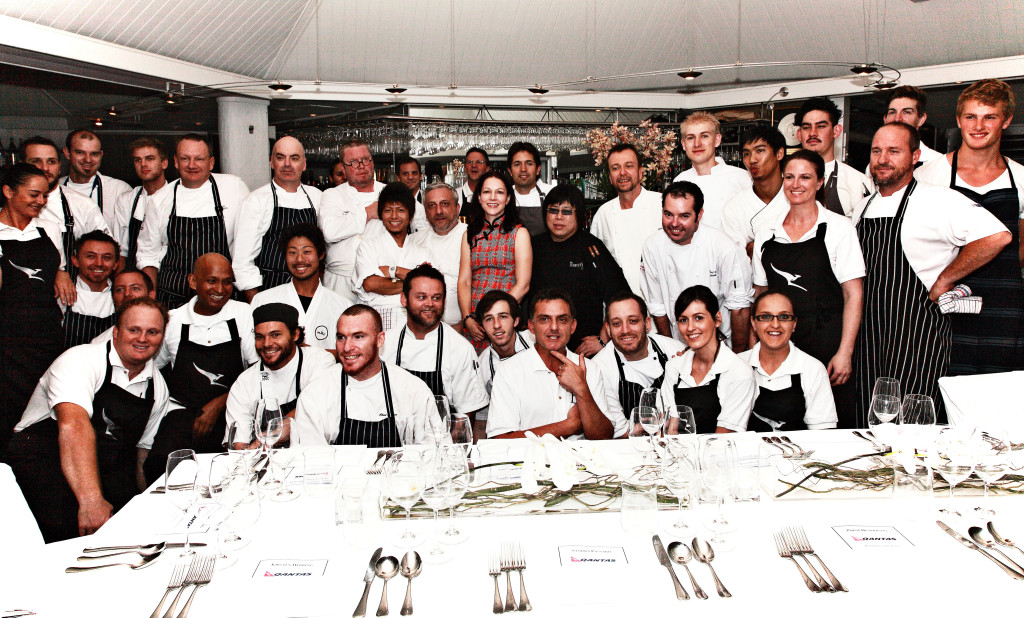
(992,92)
(701,116)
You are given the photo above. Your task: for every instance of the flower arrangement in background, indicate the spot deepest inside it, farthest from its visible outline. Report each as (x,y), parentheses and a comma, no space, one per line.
(655,146)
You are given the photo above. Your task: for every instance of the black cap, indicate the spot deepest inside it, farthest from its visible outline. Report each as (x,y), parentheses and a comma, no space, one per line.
(276,312)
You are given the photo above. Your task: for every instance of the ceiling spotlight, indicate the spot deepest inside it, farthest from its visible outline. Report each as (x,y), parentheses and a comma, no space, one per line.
(885,84)
(98,122)
(395,89)
(691,74)
(538,90)
(169,99)
(863,69)
(279,87)
(112,111)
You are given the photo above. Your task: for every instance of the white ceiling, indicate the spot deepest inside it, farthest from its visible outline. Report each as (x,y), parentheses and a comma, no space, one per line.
(518,42)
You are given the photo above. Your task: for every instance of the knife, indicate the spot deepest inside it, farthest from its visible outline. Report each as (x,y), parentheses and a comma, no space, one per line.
(368,578)
(659,551)
(91,550)
(966,542)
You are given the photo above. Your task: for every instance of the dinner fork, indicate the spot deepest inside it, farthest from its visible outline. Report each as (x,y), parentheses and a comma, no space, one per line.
(785,451)
(177,577)
(506,567)
(519,564)
(495,570)
(784,552)
(209,563)
(377,463)
(194,570)
(805,547)
(797,550)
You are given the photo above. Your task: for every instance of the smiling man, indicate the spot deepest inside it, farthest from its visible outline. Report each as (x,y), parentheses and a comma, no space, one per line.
(84,153)
(442,241)
(701,135)
(818,128)
(90,423)
(93,312)
(763,148)
(524,166)
(149,156)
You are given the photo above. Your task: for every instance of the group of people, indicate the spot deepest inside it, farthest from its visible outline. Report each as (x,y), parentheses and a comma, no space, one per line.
(134,322)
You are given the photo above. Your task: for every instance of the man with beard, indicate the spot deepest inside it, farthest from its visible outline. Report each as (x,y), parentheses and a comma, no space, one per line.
(701,134)
(524,166)
(442,242)
(93,312)
(918,241)
(636,359)
(90,423)
(285,368)
(818,128)
(150,159)
(542,390)
(363,400)
(477,164)
(128,284)
(625,223)
(71,210)
(84,153)
(257,260)
(763,148)
(318,306)
(431,350)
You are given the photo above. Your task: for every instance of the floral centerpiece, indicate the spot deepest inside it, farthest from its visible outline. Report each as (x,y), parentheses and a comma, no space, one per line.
(655,147)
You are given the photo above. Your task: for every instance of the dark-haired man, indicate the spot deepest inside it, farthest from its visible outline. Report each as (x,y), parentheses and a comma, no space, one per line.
(92,418)
(524,166)
(700,134)
(84,153)
(127,284)
(763,149)
(442,241)
(477,163)
(818,128)
(95,258)
(542,390)
(149,157)
(909,104)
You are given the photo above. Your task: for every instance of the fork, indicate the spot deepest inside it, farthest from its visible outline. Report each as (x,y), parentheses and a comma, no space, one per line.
(377,463)
(194,570)
(784,552)
(519,564)
(803,452)
(495,570)
(795,547)
(805,547)
(177,577)
(785,451)
(506,567)
(209,563)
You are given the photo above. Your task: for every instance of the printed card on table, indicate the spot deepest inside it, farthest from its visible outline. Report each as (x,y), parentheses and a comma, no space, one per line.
(582,556)
(290,568)
(872,537)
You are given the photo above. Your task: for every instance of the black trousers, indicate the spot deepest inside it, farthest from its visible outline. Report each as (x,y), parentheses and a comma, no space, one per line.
(175,433)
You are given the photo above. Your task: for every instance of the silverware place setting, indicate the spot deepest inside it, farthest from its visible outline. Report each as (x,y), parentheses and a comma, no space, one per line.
(387,568)
(681,553)
(792,542)
(510,557)
(1014,571)
(368,578)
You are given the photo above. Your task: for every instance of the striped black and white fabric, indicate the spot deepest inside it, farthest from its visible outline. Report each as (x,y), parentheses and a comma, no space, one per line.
(270,261)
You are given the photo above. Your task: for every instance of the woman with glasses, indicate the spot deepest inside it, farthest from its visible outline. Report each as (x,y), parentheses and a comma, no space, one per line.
(813,255)
(792,386)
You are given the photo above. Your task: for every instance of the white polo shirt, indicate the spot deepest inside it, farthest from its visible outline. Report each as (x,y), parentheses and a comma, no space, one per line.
(378,248)
(259,212)
(343,219)
(320,320)
(123,211)
(718,187)
(95,304)
(318,415)
(31,232)
(710,259)
(191,203)
(113,188)
(526,394)
(938,221)
(819,406)
(937,172)
(852,185)
(255,384)
(840,241)
(745,213)
(85,213)
(643,372)
(736,389)
(208,330)
(78,374)
(624,232)
(445,253)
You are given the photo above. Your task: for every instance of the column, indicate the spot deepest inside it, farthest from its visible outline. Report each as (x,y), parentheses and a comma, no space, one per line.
(244,141)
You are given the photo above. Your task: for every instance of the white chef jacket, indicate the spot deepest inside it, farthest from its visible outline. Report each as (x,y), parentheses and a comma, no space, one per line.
(852,185)
(343,219)
(489,359)
(255,383)
(938,221)
(710,259)
(643,372)
(320,322)
(123,211)
(318,415)
(718,187)
(744,213)
(113,188)
(737,388)
(819,406)
(840,241)
(250,229)
(459,376)
(85,213)
(526,394)
(379,249)
(624,232)
(445,253)
(96,304)
(938,172)
(79,372)
(532,199)
(191,203)
(419,218)
(31,232)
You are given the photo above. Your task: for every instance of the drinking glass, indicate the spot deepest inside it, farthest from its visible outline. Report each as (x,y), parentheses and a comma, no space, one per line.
(268,435)
(436,490)
(992,461)
(460,470)
(462,432)
(955,461)
(679,474)
(918,417)
(266,410)
(884,410)
(718,466)
(645,421)
(649,398)
(229,485)
(679,421)
(890,387)
(180,484)
(403,478)
(246,514)
(639,510)
(284,457)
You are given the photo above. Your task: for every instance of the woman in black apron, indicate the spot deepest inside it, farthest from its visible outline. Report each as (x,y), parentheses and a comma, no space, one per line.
(270,261)
(829,311)
(31,336)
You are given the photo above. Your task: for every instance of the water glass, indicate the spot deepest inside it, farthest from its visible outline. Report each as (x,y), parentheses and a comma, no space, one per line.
(639,510)
(180,485)
(913,484)
(679,474)
(318,471)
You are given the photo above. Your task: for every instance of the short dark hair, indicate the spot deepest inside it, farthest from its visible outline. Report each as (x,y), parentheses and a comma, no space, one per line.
(17,175)
(518,147)
(396,193)
(695,293)
(624,296)
(622,147)
(405,160)
(193,137)
(423,270)
(913,137)
(360,309)
(771,292)
(352,143)
(483,152)
(336,162)
(490,298)
(142,301)
(565,193)
(131,270)
(149,142)
(79,133)
(35,140)
(96,236)
(764,133)
(547,294)
(305,230)
(476,221)
(810,156)
(909,92)
(818,104)
(682,189)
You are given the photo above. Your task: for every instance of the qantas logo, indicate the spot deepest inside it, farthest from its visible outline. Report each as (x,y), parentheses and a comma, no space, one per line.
(789,278)
(212,377)
(269,574)
(29,272)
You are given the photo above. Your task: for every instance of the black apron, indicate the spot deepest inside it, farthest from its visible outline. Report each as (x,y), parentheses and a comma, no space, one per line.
(287,407)
(533,218)
(629,392)
(373,434)
(992,341)
(30,323)
(464,205)
(903,334)
(187,239)
(79,328)
(704,402)
(134,227)
(119,419)
(785,407)
(828,194)
(67,239)
(490,358)
(270,261)
(433,379)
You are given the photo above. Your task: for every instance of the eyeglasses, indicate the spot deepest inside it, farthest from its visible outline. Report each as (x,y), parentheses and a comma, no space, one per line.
(768,317)
(565,212)
(359,162)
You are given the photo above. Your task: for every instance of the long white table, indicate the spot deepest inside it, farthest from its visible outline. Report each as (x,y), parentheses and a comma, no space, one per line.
(934,575)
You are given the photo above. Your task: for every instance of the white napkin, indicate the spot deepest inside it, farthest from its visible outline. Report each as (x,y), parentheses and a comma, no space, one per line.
(959,300)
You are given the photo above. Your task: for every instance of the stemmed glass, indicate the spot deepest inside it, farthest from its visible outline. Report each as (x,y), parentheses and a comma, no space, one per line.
(462,434)
(956,463)
(718,467)
(403,478)
(458,464)
(267,410)
(284,457)
(268,435)
(438,427)
(918,418)
(679,474)
(644,422)
(229,485)
(436,491)
(679,421)
(992,461)
(180,483)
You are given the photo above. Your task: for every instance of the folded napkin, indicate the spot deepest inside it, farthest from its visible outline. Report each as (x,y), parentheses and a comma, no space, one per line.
(959,300)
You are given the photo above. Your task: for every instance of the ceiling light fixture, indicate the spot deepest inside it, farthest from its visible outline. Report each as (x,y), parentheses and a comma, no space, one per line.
(689,75)
(864,69)
(170,100)
(112,112)
(395,89)
(884,84)
(538,90)
(98,122)
(279,87)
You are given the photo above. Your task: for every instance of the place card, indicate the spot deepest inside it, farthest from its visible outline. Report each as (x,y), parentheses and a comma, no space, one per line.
(196,520)
(578,556)
(290,568)
(872,537)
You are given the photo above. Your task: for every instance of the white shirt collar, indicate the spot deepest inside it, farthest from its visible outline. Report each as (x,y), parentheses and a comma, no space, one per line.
(197,319)
(115,363)
(787,368)
(82,286)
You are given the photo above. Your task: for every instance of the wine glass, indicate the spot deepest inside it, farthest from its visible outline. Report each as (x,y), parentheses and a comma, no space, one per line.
(883,411)
(918,418)
(229,485)
(180,484)
(402,478)
(992,461)
(268,435)
(680,477)
(266,410)
(643,423)
(679,421)
(459,465)
(956,462)
(649,398)
(718,467)
(284,457)
(890,387)
(438,427)
(462,431)
(436,491)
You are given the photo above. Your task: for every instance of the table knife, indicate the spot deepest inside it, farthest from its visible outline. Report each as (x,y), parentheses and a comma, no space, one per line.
(368,578)
(91,550)
(659,551)
(966,542)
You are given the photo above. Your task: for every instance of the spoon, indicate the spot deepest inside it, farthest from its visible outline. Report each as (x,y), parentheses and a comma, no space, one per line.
(1002,540)
(703,552)
(782,444)
(411,567)
(785,452)
(385,568)
(975,533)
(803,452)
(149,551)
(680,552)
(145,562)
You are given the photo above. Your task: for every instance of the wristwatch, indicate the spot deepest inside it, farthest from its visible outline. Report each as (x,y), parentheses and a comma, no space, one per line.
(468,317)
(392,270)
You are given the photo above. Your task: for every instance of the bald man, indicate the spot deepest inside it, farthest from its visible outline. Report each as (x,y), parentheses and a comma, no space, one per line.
(209,343)
(258,259)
